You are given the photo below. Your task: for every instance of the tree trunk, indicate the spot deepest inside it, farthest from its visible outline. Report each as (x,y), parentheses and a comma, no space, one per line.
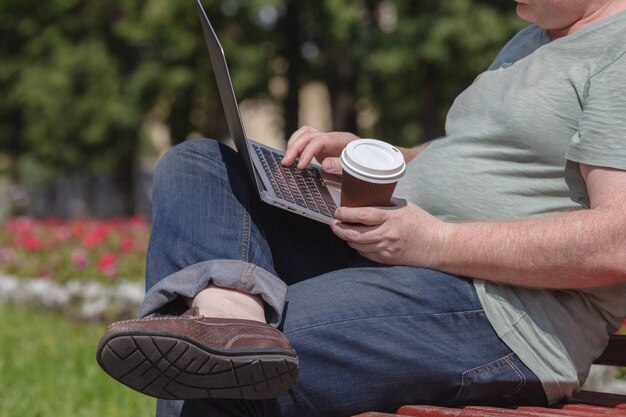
(341,82)
(432,126)
(291,103)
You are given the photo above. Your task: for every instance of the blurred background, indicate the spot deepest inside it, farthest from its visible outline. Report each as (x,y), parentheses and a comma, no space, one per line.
(94,92)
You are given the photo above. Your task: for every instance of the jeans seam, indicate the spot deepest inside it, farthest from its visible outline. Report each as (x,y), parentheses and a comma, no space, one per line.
(473,371)
(245,230)
(377,317)
(245,286)
(245,275)
(463,388)
(511,394)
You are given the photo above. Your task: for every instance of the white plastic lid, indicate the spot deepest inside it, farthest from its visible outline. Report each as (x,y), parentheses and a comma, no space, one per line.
(373,160)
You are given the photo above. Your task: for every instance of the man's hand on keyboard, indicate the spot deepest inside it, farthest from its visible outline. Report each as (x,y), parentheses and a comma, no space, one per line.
(308,143)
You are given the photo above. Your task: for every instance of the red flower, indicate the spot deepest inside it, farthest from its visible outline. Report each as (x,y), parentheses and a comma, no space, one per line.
(30,242)
(96,236)
(107,264)
(127,244)
(79,228)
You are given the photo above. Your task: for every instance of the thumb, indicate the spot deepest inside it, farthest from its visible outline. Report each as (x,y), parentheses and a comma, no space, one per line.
(332,166)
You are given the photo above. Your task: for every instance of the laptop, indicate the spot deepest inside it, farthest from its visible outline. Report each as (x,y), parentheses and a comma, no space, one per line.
(311,192)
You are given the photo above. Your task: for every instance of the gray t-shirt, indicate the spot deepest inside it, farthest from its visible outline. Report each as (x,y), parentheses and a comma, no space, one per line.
(513,142)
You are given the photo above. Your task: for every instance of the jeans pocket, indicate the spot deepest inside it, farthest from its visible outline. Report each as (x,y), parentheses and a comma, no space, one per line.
(498,383)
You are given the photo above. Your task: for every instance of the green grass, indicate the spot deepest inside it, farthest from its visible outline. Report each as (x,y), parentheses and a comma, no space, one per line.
(48,368)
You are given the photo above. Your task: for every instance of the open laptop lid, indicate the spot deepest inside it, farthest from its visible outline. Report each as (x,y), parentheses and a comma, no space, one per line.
(227,94)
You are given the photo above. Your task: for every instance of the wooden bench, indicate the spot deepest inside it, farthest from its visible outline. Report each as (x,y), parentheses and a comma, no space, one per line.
(584,404)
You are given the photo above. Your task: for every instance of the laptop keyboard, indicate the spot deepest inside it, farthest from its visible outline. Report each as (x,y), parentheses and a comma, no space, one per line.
(301,187)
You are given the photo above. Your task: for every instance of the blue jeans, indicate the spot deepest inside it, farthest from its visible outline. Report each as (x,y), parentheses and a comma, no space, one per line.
(369,336)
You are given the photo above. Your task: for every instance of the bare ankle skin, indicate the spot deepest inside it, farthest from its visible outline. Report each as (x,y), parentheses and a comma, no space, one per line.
(220,302)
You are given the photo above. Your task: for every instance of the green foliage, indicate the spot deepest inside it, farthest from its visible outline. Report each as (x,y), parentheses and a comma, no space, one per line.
(343,16)
(415,70)
(79,79)
(78,95)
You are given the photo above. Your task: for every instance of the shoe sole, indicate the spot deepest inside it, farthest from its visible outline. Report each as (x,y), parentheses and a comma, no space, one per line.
(172,368)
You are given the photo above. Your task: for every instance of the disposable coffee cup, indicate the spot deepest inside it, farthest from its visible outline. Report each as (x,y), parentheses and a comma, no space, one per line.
(371,170)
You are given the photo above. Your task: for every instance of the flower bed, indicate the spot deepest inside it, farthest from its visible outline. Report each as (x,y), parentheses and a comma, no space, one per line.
(107,251)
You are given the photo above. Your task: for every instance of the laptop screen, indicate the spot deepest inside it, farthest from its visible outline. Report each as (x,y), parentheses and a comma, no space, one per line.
(226,91)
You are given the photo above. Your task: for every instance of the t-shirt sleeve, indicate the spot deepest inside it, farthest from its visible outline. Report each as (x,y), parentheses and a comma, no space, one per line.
(601,136)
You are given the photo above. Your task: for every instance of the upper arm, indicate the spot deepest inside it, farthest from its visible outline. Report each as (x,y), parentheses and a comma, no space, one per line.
(606,188)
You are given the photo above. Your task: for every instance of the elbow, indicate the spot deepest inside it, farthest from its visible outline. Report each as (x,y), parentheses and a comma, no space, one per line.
(610,269)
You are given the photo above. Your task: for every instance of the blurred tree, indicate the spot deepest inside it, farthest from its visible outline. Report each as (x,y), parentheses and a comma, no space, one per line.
(81,79)
(398,63)
(65,103)
(423,55)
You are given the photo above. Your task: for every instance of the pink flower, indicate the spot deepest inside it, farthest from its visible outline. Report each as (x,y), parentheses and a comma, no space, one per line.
(107,264)
(62,234)
(21,225)
(138,221)
(6,256)
(79,259)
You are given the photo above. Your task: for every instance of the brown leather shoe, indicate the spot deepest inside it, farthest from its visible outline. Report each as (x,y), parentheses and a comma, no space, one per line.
(192,357)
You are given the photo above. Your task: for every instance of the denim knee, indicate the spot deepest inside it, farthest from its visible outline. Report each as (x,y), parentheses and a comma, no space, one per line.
(186,153)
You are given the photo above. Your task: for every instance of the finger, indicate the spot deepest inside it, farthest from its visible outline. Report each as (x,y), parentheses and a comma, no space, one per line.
(296,144)
(366,249)
(291,154)
(311,150)
(298,133)
(304,148)
(332,166)
(371,252)
(354,233)
(370,216)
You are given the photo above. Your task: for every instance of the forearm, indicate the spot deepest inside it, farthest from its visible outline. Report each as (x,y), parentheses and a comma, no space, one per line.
(578,249)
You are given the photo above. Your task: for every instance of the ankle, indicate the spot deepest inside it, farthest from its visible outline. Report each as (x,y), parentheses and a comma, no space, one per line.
(221,302)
